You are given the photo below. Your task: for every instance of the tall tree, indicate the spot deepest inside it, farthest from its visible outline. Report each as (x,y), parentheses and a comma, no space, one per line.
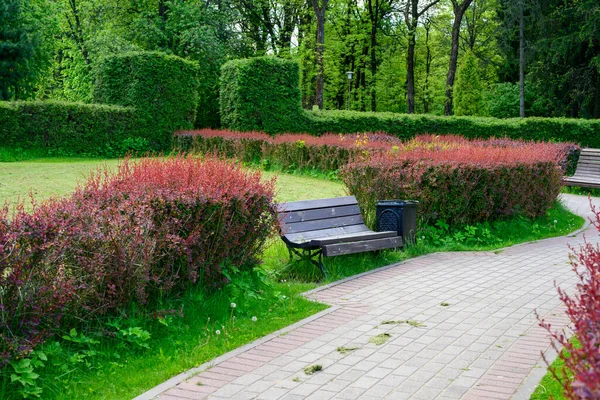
(521,60)
(412,13)
(468,91)
(320,7)
(73,18)
(377,10)
(22,53)
(459,10)
(566,66)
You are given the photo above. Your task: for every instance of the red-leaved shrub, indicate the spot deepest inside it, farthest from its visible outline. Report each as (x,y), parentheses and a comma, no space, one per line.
(461,181)
(155,227)
(581,357)
(289,151)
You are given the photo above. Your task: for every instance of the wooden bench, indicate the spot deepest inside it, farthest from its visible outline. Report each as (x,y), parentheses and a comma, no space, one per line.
(329,227)
(587,173)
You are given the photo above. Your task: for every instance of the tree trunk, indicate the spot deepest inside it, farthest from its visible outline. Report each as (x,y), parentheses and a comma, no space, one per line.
(363,79)
(320,43)
(373,67)
(521,61)
(77,32)
(596,108)
(427,70)
(411,18)
(410,72)
(459,11)
(374,11)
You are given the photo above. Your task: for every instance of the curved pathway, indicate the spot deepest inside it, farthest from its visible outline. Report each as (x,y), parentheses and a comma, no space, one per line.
(455,325)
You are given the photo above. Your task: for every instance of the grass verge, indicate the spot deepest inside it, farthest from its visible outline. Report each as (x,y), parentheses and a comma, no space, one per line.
(549,387)
(181,335)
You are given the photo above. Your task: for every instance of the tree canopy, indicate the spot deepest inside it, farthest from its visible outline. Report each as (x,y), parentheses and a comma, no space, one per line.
(402,52)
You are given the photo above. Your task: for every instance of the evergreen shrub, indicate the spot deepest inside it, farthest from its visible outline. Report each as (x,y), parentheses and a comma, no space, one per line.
(69,128)
(151,95)
(406,126)
(155,228)
(261,94)
(162,88)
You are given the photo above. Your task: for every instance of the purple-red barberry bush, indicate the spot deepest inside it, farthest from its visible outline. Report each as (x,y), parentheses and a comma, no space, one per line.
(155,227)
(582,356)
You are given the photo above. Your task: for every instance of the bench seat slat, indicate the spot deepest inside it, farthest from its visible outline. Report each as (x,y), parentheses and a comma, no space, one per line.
(319,203)
(304,237)
(320,224)
(359,247)
(584,175)
(588,166)
(583,180)
(319,213)
(353,237)
(584,184)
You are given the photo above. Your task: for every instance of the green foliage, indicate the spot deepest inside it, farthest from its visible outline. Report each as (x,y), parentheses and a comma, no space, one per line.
(468,88)
(260,94)
(503,100)
(564,73)
(24,375)
(585,132)
(162,88)
(23,54)
(60,128)
(155,95)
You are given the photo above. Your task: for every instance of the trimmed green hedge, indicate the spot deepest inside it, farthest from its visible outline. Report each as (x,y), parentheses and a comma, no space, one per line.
(163,89)
(154,94)
(585,132)
(262,94)
(68,128)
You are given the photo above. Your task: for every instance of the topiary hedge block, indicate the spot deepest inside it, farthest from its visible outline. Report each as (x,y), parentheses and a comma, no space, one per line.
(163,89)
(261,94)
(67,128)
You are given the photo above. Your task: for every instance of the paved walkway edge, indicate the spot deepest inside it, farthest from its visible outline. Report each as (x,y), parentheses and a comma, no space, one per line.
(535,376)
(174,381)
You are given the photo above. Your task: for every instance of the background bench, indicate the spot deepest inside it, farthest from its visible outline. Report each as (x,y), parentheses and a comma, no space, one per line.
(329,227)
(587,173)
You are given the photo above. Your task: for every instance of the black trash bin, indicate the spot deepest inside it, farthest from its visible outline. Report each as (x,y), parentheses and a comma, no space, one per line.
(398,215)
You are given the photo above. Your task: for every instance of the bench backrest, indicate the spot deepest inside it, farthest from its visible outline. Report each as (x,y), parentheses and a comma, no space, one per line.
(318,215)
(589,163)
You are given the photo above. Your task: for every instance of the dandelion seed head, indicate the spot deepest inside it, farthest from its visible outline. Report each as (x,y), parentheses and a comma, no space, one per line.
(254,319)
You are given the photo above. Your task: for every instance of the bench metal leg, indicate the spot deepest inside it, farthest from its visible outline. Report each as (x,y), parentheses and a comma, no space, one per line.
(307,254)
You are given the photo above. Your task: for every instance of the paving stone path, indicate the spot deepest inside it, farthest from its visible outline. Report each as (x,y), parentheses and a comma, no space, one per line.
(456,326)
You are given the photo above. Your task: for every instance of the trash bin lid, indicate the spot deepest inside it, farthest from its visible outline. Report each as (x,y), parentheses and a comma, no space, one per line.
(397,202)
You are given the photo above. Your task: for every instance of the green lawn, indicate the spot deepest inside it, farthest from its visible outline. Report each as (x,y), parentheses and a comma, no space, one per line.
(58,176)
